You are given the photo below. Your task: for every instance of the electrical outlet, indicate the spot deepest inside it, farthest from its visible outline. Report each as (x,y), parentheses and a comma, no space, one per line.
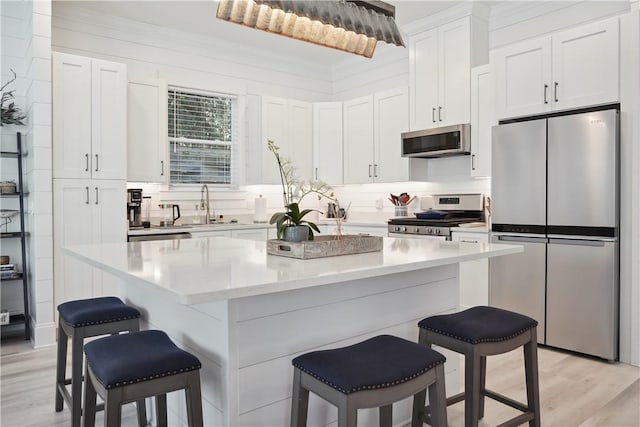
(4,318)
(379,204)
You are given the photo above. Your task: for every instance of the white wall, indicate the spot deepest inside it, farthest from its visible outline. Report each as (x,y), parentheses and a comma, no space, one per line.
(26,34)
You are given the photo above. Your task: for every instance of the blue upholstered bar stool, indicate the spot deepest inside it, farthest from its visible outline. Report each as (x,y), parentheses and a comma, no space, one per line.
(371,374)
(131,367)
(81,319)
(480,332)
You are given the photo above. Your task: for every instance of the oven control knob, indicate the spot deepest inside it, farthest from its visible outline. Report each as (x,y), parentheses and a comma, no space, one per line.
(438,231)
(429,230)
(396,228)
(404,229)
(417,230)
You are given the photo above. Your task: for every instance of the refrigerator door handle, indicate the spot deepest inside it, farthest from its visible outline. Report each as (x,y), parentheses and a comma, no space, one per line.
(522,239)
(576,242)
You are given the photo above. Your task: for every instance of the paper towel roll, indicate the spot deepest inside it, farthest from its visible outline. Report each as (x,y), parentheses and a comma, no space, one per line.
(260,209)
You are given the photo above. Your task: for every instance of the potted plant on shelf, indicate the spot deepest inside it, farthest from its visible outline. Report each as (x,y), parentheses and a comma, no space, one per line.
(9,113)
(290,224)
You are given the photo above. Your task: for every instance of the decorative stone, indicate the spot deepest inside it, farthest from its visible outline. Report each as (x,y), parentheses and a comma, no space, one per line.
(325,246)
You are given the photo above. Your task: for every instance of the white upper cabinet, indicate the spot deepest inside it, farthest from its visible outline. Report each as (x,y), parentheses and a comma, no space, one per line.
(585,63)
(148,146)
(391,118)
(89,118)
(440,61)
(372,128)
(573,68)
(482,120)
(358,140)
(327,142)
(289,124)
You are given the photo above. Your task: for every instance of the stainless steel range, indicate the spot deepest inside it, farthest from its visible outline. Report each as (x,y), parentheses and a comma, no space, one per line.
(439,216)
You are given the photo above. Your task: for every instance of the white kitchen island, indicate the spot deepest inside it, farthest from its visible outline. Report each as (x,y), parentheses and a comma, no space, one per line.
(246,314)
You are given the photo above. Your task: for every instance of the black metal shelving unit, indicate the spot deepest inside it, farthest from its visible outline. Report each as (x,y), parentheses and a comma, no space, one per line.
(17,319)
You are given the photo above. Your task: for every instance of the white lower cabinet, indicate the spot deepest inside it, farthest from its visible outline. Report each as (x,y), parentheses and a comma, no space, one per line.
(474,275)
(85,211)
(217,233)
(365,230)
(258,234)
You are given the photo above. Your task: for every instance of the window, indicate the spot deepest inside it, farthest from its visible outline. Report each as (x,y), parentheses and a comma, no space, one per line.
(202,137)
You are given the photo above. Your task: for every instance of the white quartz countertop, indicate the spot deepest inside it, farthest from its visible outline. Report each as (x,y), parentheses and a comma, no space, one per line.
(206,269)
(196,228)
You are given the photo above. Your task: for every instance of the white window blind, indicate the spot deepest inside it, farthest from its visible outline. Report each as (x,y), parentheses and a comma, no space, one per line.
(202,136)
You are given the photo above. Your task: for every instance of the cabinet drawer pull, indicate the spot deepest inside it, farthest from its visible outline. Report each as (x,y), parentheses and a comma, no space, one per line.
(440,113)
(555,91)
(161,167)
(86,160)
(433,114)
(369,171)
(87,188)
(316,174)
(375,170)
(469,241)
(545,93)
(96,195)
(473,162)
(96,163)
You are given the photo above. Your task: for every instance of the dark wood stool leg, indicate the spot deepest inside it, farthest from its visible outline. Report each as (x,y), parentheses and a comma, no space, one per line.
(483,381)
(89,404)
(471,388)
(438,399)
(531,375)
(386,416)
(77,359)
(194,400)
(61,366)
(299,401)
(161,410)
(418,411)
(113,408)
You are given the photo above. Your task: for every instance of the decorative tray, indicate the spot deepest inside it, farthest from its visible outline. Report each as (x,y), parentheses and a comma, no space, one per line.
(325,246)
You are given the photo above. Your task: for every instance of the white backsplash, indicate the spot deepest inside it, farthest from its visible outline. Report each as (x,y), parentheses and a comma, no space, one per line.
(362,200)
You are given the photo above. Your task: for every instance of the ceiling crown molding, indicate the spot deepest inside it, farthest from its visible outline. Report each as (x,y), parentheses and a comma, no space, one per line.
(470,7)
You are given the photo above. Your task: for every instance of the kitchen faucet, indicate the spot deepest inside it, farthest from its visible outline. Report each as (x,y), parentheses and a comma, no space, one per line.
(207,218)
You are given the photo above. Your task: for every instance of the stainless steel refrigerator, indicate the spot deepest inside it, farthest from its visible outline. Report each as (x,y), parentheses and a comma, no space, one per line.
(555,190)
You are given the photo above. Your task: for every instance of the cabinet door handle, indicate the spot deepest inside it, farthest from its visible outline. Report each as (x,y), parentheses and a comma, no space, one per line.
(87,188)
(86,161)
(369,171)
(473,162)
(375,170)
(96,163)
(439,113)
(161,167)
(316,174)
(555,91)
(96,195)
(433,114)
(546,86)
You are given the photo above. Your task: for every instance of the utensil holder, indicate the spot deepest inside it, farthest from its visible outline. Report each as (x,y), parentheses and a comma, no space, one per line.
(401,211)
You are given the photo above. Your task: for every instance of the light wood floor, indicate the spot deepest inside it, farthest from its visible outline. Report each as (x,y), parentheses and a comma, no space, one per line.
(574,391)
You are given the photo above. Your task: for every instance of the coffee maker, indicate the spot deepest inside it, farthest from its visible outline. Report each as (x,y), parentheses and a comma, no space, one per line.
(134,207)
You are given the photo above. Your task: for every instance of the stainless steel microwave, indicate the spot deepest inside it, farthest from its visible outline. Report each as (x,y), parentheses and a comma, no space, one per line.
(437,142)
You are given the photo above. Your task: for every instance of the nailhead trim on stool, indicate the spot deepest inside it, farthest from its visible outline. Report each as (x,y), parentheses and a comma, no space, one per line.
(82,319)
(480,332)
(380,369)
(140,364)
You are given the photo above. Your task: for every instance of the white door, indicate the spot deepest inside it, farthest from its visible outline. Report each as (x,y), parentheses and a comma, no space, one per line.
(301,137)
(72,225)
(358,140)
(481,120)
(109,120)
(523,78)
(423,80)
(585,65)
(327,142)
(275,126)
(454,65)
(71,115)
(147,143)
(109,225)
(391,118)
